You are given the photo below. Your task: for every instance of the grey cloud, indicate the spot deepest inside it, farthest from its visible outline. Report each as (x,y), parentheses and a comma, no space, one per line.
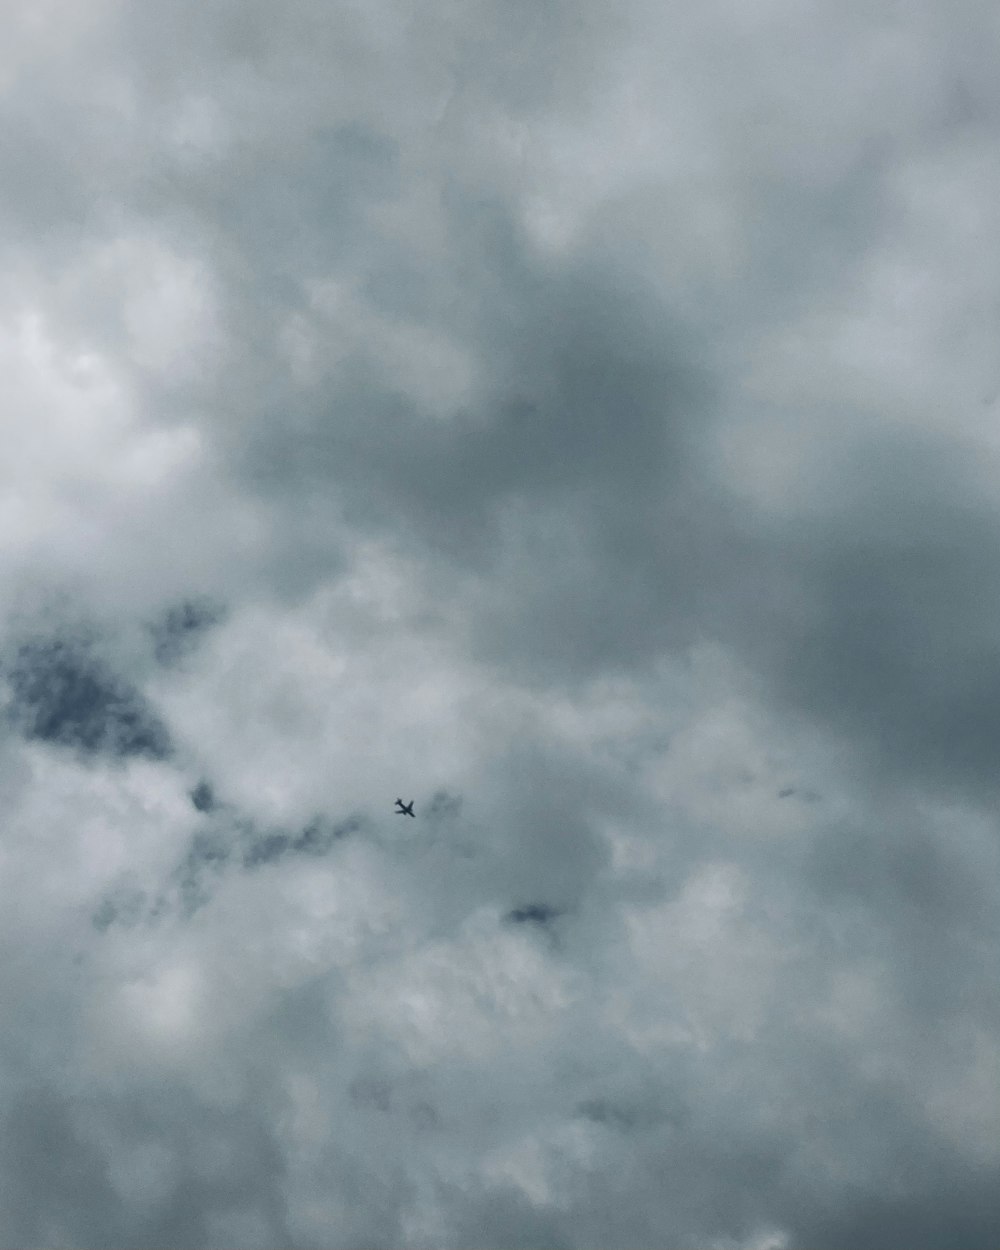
(125,906)
(637,1097)
(50,197)
(45,1153)
(156,1168)
(589,387)
(502,1214)
(316,838)
(893,642)
(958,1210)
(203,797)
(228,839)
(64,693)
(532,913)
(206,859)
(266,848)
(570,408)
(370,1092)
(181,628)
(444,805)
(321,833)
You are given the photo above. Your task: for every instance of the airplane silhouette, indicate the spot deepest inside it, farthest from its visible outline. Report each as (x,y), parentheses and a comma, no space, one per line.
(404,809)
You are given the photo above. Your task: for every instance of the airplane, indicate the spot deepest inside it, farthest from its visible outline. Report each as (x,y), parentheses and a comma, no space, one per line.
(404,809)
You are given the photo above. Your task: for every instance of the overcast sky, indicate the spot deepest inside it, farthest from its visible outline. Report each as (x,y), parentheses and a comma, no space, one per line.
(579,418)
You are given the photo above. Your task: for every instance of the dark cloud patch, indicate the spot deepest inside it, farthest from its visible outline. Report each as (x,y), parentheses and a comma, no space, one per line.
(125,906)
(444,805)
(203,798)
(532,913)
(204,863)
(906,1181)
(807,796)
(182,628)
(638,1099)
(944,1210)
(593,396)
(316,839)
(891,641)
(266,848)
(228,840)
(64,693)
(321,833)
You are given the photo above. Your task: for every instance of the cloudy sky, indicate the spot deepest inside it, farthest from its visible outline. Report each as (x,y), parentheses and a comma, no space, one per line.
(583,419)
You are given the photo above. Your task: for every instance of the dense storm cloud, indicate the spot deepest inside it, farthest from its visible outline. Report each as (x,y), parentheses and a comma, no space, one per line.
(578,420)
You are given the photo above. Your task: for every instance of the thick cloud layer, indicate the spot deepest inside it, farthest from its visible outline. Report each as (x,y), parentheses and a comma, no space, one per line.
(580,421)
